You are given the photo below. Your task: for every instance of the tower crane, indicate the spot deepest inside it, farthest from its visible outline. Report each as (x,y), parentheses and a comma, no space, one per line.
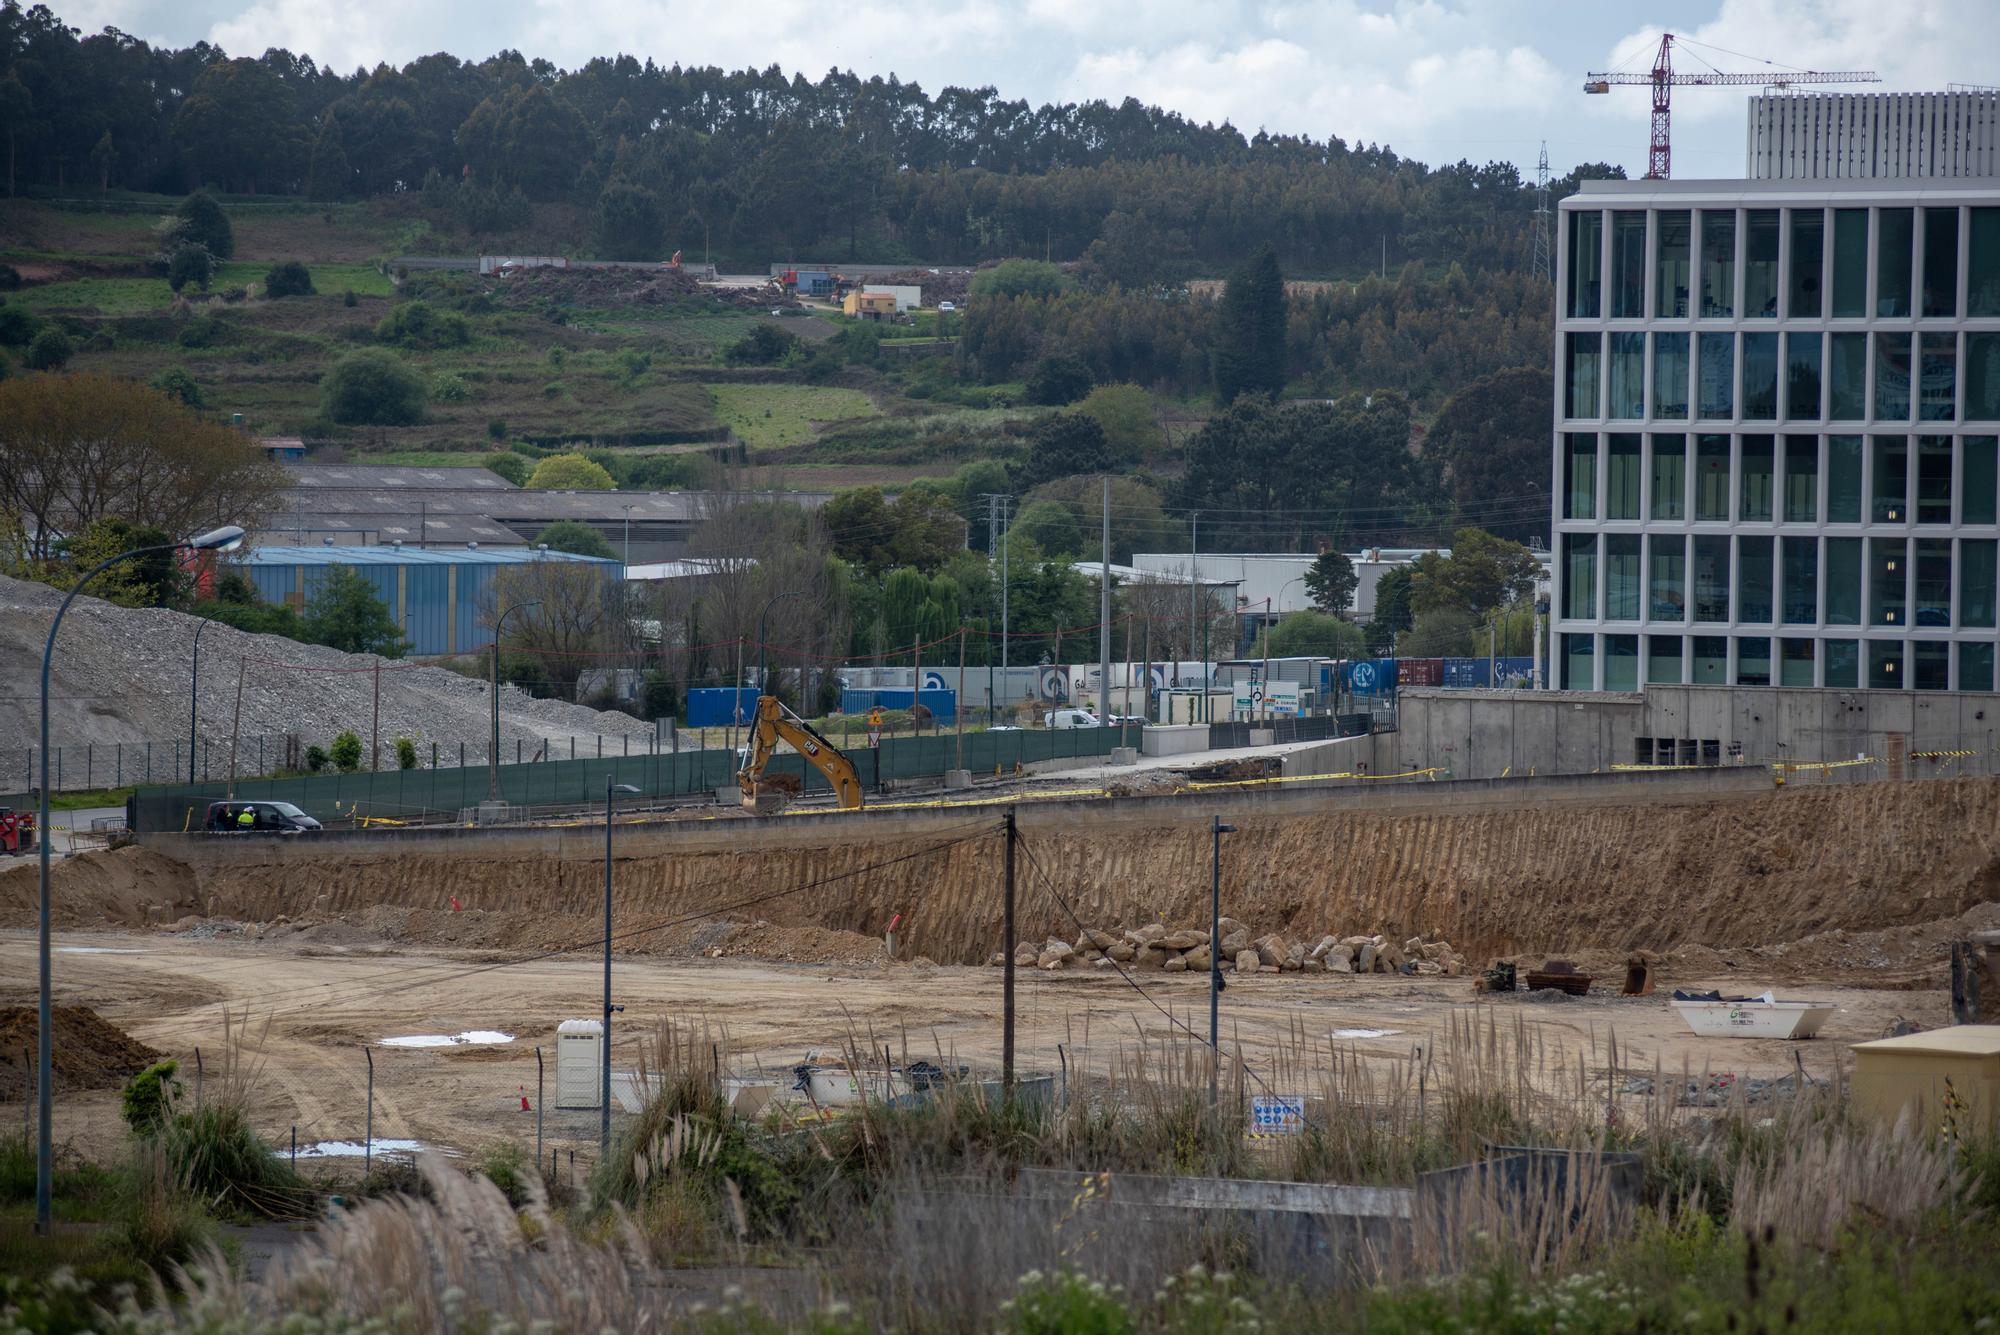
(1659,157)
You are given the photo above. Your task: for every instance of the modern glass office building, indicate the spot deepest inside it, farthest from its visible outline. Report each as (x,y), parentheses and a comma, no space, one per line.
(1777,405)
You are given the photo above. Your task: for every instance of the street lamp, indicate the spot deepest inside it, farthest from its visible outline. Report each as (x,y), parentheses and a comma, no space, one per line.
(194,681)
(1215,959)
(611,789)
(225,539)
(493,751)
(628,534)
(763,645)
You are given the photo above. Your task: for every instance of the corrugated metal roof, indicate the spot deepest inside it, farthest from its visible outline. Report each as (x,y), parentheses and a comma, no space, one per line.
(1962,1040)
(411,556)
(396,475)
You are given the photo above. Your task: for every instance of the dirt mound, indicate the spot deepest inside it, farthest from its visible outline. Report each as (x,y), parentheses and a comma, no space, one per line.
(89,1052)
(946,285)
(611,287)
(119,888)
(1510,878)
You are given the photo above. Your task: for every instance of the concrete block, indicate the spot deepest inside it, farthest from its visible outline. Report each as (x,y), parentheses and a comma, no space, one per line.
(1124,755)
(958,778)
(1263,736)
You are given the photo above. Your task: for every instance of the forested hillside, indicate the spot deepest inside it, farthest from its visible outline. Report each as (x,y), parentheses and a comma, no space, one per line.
(753,164)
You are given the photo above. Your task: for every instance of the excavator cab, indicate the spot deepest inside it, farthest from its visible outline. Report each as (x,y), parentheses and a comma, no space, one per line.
(774,724)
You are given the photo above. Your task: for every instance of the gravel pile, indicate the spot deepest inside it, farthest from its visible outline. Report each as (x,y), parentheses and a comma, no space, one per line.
(1153,946)
(121,675)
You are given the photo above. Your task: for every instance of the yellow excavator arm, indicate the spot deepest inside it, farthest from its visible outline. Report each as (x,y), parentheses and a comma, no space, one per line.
(775,724)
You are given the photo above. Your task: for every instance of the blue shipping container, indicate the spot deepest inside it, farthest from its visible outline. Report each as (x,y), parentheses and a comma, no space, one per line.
(942,704)
(1369,677)
(1463,673)
(716,706)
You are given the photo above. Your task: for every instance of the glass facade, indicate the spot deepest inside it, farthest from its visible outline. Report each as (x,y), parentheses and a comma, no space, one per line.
(1940,293)
(1895,231)
(1628,265)
(1850,264)
(1835,519)
(1673,252)
(1808,257)
(1760,264)
(1802,376)
(1628,376)
(1718,263)
(1586,264)
(1670,375)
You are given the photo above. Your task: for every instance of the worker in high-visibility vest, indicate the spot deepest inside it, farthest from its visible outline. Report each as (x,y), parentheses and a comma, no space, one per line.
(246,819)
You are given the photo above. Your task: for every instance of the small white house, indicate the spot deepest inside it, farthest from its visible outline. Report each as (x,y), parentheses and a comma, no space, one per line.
(906,297)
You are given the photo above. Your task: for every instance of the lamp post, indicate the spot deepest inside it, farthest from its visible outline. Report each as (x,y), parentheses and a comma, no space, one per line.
(493,751)
(763,644)
(628,535)
(223,539)
(1215,960)
(611,790)
(194,682)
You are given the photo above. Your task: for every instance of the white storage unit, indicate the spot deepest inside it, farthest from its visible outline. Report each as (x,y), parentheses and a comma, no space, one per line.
(579,1063)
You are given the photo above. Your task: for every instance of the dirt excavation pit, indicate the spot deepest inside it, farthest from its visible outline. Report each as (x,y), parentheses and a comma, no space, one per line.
(89,1052)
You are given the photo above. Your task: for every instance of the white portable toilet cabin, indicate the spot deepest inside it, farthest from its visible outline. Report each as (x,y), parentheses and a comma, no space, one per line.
(579,1063)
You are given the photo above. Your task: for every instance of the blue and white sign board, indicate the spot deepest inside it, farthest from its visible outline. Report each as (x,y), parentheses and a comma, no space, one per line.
(1265,697)
(934,681)
(1277,1114)
(1364,678)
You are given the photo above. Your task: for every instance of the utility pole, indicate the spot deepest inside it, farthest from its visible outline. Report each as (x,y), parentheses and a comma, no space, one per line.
(1007,966)
(375,728)
(1004,528)
(1104,613)
(958,708)
(1195,714)
(1218,829)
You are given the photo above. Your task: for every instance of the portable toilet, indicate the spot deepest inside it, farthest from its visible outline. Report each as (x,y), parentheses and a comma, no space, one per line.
(579,1063)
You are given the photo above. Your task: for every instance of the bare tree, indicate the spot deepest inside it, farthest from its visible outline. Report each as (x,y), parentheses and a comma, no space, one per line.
(581,616)
(78,448)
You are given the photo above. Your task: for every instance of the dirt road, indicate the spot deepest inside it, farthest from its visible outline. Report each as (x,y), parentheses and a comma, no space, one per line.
(313,1011)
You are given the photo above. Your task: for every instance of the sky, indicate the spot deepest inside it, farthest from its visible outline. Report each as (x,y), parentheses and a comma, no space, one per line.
(1437,80)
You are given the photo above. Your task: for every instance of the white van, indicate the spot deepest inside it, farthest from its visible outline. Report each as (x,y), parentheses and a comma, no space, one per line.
(1072,718)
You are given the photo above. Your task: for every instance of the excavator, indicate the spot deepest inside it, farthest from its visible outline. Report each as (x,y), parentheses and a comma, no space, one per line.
(774,724)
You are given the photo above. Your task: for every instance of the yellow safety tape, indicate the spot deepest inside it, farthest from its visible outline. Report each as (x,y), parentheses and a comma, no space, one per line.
(1307,778)
(1790,765)
(1940,755)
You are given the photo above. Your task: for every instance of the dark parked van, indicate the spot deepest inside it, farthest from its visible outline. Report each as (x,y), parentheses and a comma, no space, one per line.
(265,818)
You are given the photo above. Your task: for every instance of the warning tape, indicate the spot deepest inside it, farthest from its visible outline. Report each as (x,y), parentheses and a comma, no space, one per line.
(1941,755)
(1307,778)
(1793,766)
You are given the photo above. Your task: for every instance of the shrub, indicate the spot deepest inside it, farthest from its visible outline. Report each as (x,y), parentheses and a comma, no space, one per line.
(555,389)
(497,428)
(417,324)
(222,1159)
(372,388)
(234,294)
(50,351)
(203,331)
(317,760)
(189,265)
(289,279)
(176,383)
(760,347)
(510,466)
(10,278)
(578,539)
(148,1098)
(569,472)
(507,1168)
(200,220)
(406,753)
(346,752)
(348,298)
(1066,1303)
(447,387)
(164,1223)
(1058,380)
(18,325)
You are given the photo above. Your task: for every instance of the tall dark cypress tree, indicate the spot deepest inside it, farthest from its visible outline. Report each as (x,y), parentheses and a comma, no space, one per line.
(1249,356)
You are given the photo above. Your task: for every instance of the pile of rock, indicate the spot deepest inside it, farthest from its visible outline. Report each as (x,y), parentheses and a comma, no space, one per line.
(1156,947)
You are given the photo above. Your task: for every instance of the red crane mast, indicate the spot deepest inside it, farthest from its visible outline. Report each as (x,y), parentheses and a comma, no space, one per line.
(1659,155)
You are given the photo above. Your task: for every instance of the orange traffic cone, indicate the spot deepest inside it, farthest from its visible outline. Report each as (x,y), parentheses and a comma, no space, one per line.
(524,1098)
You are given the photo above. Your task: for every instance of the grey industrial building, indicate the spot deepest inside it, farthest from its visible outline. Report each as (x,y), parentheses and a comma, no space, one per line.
(362,505)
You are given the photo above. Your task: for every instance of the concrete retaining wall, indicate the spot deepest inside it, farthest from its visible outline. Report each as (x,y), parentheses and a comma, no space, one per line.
(1485,734)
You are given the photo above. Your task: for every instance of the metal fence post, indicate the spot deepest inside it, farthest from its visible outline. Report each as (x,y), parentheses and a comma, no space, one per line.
(368,1142)
(538,1108)
(198,1077)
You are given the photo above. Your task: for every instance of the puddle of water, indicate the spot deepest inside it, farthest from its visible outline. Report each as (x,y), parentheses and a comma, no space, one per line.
(1364,1033)
(97,950)
(471,1037)
(355,1149)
